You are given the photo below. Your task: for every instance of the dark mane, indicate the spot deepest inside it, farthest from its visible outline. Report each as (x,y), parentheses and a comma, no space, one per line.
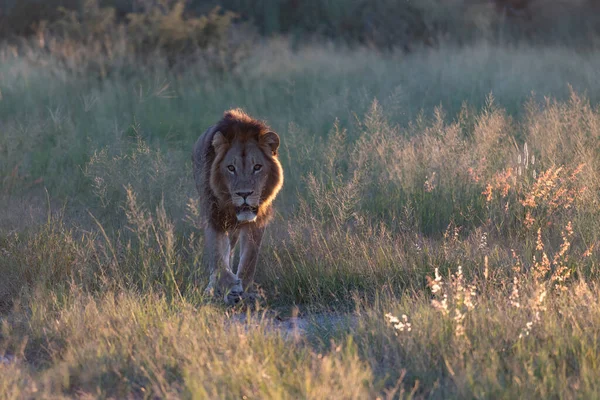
(239,125)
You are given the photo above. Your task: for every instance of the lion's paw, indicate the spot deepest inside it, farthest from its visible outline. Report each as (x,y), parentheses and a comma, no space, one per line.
(251,296)
(234,294)
(212,291)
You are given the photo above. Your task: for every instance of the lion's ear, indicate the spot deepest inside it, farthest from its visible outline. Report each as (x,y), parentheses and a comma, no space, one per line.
(270,140)
(218,140)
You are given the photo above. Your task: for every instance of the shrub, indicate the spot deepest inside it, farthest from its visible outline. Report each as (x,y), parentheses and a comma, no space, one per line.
(91,38)
(165,27)
(407,25)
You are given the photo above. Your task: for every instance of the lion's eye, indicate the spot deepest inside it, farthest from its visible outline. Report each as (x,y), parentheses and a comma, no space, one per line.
(257,167)
(231,168)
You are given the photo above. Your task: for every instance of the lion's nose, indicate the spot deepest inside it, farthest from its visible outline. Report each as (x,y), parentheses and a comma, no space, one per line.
(244,194)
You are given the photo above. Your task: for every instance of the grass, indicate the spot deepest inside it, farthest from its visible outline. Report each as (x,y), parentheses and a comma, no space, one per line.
(457,187)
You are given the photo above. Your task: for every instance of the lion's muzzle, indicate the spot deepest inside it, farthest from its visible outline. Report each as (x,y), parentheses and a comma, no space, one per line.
(246,213)
(246,206)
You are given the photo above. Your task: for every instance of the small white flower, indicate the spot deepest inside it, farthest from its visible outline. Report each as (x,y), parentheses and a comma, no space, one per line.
(401,326)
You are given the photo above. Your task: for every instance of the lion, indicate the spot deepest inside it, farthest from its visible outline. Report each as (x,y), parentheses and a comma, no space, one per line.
(238,175)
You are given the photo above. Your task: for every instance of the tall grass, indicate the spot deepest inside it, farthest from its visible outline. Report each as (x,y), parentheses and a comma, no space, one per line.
(127,345)
(54,120)
(457,187)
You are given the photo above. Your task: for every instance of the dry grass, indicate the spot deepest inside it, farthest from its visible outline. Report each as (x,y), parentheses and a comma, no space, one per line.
(131,345)
(461,244)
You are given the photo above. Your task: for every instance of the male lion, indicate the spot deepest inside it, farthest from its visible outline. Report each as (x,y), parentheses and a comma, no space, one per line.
(237,175)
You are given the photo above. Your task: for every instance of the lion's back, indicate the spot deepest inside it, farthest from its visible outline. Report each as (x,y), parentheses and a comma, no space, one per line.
(202,155)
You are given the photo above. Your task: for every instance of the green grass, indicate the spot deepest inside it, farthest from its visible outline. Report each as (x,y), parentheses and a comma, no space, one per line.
(398,168)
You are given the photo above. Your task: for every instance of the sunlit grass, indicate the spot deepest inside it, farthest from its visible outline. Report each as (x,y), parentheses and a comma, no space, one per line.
(411,192)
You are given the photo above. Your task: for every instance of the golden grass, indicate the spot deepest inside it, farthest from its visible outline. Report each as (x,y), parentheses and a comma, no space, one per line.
(459,248)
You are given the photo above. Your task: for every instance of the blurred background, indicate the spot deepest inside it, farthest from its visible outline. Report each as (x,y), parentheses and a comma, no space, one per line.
(383,24)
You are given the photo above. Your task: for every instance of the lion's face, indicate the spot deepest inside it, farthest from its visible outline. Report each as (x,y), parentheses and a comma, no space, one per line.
(247,169)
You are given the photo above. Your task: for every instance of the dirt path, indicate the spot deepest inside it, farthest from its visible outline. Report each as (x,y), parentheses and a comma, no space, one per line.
(295,327)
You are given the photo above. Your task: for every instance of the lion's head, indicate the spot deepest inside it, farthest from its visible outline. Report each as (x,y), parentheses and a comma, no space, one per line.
(245,173)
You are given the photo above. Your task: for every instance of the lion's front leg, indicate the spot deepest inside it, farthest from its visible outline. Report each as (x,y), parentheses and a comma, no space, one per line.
(250,240)
(217,252)
(233,239)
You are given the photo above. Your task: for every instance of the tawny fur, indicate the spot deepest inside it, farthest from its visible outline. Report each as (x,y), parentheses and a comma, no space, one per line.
(247,138)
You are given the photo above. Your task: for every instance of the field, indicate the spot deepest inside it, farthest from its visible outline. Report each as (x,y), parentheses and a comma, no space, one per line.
(437,235)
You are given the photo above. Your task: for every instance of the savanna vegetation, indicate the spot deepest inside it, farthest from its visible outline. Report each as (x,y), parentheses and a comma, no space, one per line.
(437,235)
